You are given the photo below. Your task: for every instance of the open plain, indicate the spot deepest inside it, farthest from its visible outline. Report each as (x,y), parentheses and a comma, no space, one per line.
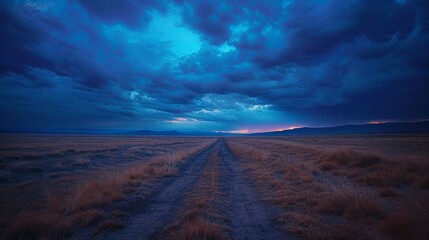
(135,187)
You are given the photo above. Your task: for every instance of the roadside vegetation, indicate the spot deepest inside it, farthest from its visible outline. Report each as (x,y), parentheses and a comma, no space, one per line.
(376,170)
(87,202)
(337,194)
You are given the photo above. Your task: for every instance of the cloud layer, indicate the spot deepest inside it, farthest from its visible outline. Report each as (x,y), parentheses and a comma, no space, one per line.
(205,65)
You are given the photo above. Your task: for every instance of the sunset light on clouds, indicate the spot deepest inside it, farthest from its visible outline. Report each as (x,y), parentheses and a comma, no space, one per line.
(212,66)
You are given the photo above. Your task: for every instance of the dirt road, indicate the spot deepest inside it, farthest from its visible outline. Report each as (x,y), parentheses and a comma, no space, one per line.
(251,218)
(247,215)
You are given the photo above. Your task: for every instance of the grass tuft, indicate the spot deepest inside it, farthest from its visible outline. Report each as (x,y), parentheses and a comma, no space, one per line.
(405,225)
(109,226)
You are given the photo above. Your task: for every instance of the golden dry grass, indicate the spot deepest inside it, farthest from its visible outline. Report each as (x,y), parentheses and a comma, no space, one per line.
(196,228)
(313,185)
(32,166)
(82,205)
(313,228)
(109,226)
(404,225)
(376,170)
(351,204)
(63,215)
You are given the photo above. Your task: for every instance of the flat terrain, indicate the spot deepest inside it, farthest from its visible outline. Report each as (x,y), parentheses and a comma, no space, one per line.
(131,187)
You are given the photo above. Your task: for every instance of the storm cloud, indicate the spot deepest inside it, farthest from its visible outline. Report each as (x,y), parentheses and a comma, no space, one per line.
(216,66)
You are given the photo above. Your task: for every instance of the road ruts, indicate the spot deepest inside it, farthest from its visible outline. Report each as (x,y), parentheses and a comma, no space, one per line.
(160,208)
(250,217)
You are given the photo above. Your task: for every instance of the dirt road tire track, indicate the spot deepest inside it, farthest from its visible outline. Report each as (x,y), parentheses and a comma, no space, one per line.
(159,209)
(250,217)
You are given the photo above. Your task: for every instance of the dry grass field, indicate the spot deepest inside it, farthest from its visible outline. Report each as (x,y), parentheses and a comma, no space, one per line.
(343,187)
(52,185)
(133,187)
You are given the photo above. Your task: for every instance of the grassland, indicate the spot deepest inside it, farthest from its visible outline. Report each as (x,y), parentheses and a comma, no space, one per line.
(54,185)
(343,187)
(311,187)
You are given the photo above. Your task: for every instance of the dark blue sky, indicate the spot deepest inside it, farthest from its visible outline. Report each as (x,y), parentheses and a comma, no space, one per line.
(212,65)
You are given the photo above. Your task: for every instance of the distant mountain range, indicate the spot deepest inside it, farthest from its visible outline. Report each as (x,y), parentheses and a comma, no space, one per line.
(389,127)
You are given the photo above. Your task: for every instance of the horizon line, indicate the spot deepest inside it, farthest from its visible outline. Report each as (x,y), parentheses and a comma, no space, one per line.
(232,132)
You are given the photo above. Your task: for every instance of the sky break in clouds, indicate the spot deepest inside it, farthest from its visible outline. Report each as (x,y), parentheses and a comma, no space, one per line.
(241,66)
